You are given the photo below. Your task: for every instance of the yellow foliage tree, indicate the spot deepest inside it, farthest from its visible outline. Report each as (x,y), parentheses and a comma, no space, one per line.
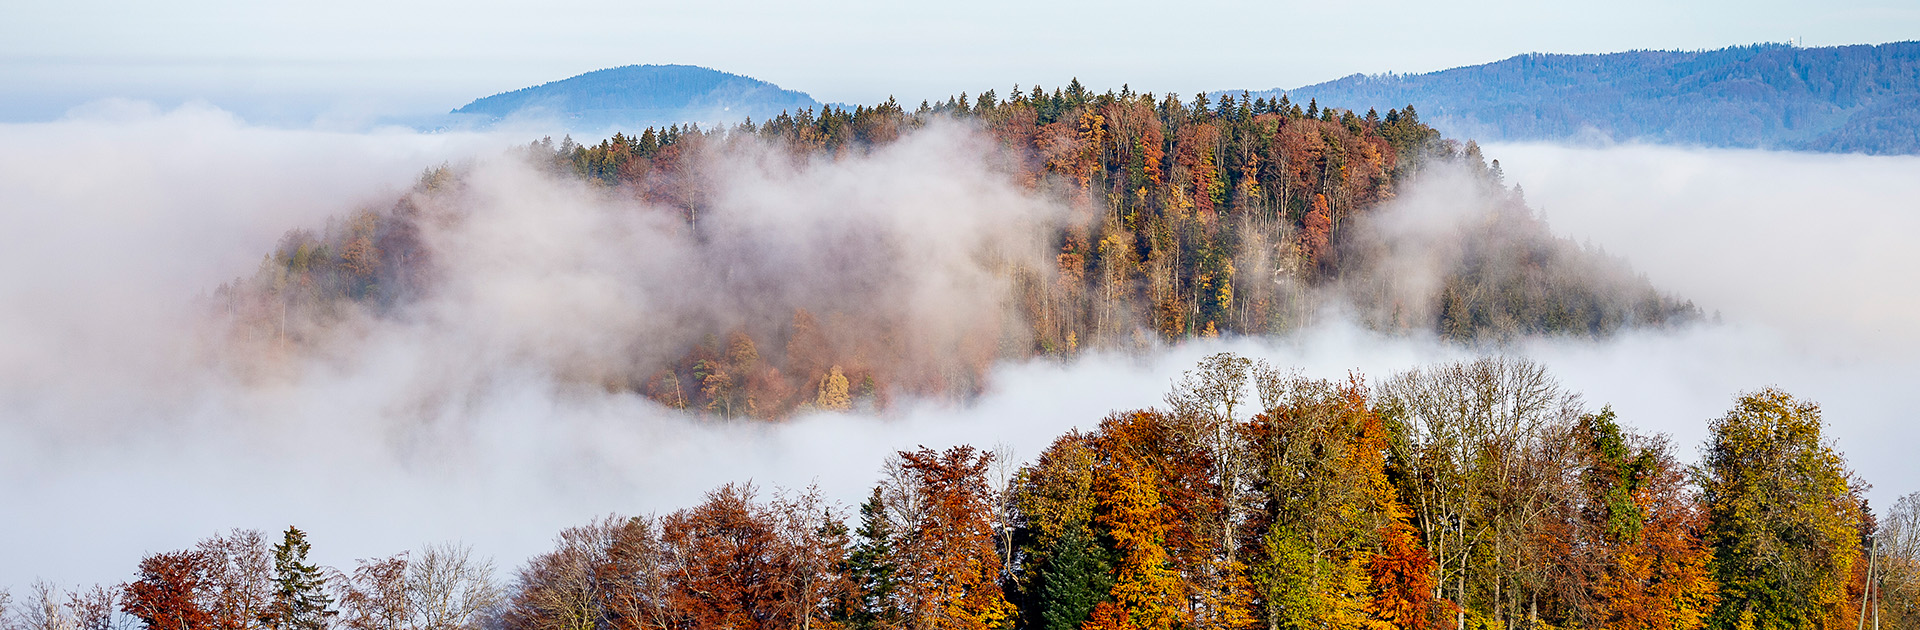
(1146,590)
(834,392)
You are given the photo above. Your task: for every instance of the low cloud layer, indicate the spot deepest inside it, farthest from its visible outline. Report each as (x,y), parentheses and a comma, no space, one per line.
(118,439)
(1817,246)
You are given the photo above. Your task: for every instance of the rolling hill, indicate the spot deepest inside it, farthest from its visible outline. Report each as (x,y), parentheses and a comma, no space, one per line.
(639,96)
(1844,99)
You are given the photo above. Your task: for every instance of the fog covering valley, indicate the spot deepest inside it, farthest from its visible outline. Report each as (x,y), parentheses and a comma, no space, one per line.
(480,413)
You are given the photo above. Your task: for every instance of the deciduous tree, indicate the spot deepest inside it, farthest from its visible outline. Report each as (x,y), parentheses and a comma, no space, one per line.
(949,567)
(168,592)
(1782,516)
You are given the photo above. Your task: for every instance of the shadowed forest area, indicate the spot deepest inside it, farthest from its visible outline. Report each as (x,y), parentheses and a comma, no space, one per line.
(1476,494)
(1160,220)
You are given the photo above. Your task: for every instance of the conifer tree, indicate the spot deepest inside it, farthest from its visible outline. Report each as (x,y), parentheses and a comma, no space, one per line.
(1075,578)
(870,568)
(300,601)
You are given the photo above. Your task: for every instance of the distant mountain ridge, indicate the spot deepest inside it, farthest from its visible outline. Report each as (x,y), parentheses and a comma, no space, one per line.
(642,95)
(1843,99)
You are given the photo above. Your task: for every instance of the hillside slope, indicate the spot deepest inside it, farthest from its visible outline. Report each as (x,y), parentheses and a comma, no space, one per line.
(638,96)
(1847,99)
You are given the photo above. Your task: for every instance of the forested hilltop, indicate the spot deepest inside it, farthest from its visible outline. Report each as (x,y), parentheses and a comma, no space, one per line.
(1158,220)
(1841,99)
(638,95)
(1476,495)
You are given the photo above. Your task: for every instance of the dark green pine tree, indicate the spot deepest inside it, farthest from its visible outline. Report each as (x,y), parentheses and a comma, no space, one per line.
(1075,578)
(300,601)
(871,570)
(650,143)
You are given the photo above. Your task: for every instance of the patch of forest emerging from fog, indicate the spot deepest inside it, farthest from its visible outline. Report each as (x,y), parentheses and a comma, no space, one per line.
(838,259)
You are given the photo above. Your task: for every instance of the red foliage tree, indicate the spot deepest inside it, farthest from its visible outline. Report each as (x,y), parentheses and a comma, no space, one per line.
(1317,236)
(1402,578)
(727,561)
(166,597)
(950,567)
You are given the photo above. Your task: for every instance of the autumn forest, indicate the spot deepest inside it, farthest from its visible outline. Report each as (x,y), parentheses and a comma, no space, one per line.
(696,277)
(1465,495)
(1159,220)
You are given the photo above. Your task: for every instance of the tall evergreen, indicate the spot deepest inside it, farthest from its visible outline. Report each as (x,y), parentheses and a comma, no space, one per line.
(1075,578)
(300,601)
(870,568)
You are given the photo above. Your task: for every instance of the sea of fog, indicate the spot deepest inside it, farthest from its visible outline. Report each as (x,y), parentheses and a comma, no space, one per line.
(113,444)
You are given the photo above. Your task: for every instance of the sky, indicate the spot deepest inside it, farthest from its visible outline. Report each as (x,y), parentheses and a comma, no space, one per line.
(348,63)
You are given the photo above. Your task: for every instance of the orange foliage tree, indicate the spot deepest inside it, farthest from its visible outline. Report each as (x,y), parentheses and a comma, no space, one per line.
(1655,569)
(949,576)
(1146,590)
(1401,574)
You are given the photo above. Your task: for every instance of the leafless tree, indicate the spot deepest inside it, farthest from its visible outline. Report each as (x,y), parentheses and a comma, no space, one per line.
(375,595)
(901,495)
(811,547)
(1006,468)
(449,589)
(1484,443)
(239,576)
(564,589)
(42,610)
(98,609)
(1206,402)
(1897,564)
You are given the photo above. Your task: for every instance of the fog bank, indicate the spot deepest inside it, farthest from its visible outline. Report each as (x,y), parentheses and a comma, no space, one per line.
(1818,246)
(118,438)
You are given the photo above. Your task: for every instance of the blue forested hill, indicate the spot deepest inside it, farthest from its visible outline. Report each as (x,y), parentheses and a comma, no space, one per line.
(1863,99)
(643,95)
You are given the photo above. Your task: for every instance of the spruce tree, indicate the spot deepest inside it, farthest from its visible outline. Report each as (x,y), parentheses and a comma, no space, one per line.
(300,601)
(1076,578)
(870,568)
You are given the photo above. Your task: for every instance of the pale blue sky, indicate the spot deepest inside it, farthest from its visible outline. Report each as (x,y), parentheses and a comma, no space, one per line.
(343,60)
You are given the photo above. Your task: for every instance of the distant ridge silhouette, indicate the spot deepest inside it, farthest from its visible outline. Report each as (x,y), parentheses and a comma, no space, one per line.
(1843,99)
(644,95)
